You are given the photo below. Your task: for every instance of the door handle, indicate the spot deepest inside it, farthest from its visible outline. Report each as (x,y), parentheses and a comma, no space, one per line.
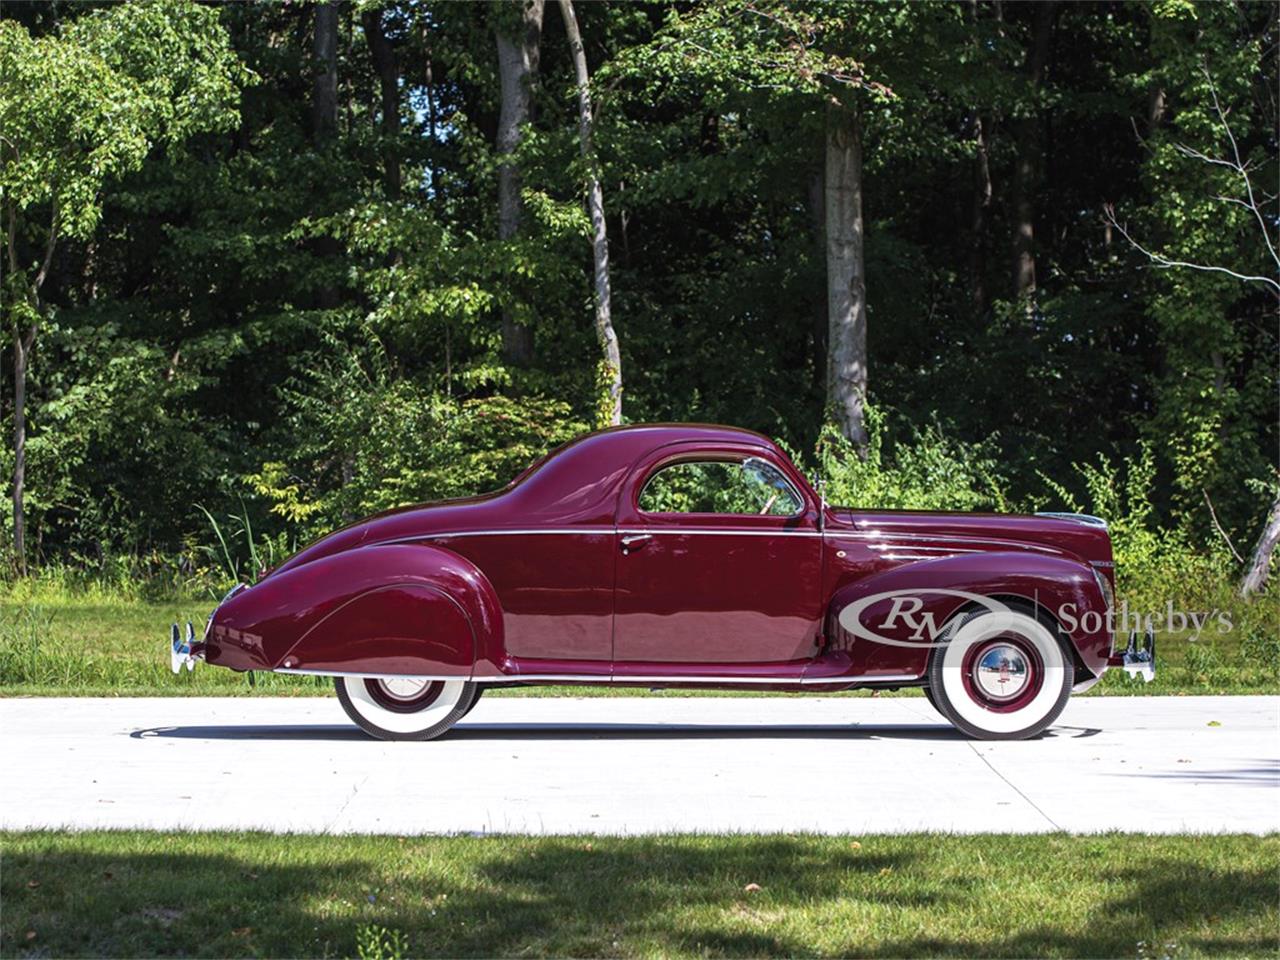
(634,542)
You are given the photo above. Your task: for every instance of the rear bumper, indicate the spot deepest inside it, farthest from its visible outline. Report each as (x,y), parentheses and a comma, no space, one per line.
(184,649)
(1137,661)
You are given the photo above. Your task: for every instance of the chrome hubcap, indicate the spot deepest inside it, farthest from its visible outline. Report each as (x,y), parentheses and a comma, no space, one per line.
(1001,673)
(403,688)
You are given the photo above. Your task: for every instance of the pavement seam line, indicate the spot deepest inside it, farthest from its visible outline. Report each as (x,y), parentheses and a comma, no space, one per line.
(1012,786)
(346,803)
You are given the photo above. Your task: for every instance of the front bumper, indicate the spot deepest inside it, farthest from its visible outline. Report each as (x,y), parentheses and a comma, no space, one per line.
(1137,661)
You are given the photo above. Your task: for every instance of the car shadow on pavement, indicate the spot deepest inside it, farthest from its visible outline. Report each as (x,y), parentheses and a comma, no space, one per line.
(595,731)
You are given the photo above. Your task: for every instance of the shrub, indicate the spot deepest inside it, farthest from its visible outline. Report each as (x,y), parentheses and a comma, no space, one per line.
(930,471)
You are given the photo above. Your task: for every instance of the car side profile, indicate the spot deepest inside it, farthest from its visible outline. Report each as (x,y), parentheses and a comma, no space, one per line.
(680,555)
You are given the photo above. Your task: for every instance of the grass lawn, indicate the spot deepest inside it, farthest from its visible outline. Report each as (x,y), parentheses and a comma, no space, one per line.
(63,644)
(247,895)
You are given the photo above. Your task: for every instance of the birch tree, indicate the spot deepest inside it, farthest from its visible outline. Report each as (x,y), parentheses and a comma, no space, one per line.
(611,362)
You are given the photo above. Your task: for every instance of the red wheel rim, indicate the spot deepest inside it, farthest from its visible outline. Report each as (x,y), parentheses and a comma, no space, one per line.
(388,699)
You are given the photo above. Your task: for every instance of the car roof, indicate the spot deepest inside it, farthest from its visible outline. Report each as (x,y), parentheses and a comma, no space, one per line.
(612,451)
(626,443)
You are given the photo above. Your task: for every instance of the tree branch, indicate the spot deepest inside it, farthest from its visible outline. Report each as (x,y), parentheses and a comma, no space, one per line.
(1163,261)
(11,233)
(48,251)
(1244,173)
(1217,526)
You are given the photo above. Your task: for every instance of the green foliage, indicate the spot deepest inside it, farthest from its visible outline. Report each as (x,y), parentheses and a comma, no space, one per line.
(367,441)
(752,488)
(239,314)
(240,555)
(378,943)
(1123,497)
(929,472)
(84,107)
(23,632)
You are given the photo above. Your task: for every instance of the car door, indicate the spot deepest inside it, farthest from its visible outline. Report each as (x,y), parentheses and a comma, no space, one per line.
(719,560)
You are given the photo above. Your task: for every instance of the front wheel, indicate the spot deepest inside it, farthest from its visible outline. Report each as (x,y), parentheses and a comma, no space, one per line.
(1002,675)
(405,708)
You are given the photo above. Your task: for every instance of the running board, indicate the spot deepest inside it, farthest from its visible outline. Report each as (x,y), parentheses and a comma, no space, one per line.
(645,680)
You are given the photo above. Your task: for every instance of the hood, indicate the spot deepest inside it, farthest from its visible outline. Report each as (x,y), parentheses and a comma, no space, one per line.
(1083,537)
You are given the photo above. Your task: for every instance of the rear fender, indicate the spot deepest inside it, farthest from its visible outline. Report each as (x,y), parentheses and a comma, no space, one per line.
(408,609)
(1065,589)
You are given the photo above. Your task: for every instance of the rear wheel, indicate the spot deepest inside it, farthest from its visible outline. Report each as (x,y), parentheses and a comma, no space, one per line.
(405,708)
(1002,675)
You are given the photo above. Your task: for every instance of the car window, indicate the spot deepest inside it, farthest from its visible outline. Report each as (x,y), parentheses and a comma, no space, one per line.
(751,486)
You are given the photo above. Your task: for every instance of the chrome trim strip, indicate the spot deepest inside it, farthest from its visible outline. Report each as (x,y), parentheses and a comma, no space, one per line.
(603,678)
(919,556)
(545,677)
(657,531)
(1088,518)
(501,533)
(718,531)
(912,546)
(668,678)
(372,676)
(891,536)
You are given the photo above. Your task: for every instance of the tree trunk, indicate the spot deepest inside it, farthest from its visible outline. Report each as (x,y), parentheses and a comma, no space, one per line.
(978,221)
(1027,162)
(846,277)
(384,61)
(517,71)
(324,126)
(982,192)
(22,344)
(1255,578)
(818,328)
(324,90)
(605,333)
(429,85)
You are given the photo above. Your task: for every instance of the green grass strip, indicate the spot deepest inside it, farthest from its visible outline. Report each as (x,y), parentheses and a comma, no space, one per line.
(117,894)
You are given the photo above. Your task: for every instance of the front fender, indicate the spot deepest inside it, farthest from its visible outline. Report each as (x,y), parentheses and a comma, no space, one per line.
(1066,589)
(401,609)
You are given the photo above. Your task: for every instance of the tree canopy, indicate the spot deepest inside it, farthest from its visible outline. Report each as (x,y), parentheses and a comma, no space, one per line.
(309,260)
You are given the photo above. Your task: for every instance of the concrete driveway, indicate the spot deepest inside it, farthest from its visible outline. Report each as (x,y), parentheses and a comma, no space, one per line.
(640,765)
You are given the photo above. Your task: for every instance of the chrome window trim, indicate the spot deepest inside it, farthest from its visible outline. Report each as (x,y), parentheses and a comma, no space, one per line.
(668,464)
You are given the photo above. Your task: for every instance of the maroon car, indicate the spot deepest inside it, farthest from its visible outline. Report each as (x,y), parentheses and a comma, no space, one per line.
(682,556)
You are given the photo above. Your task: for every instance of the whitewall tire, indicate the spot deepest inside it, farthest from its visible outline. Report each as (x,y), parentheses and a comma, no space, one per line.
(1001,675)
(405,708)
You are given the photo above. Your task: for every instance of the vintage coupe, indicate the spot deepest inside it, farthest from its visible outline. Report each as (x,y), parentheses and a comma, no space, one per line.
(682,556)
